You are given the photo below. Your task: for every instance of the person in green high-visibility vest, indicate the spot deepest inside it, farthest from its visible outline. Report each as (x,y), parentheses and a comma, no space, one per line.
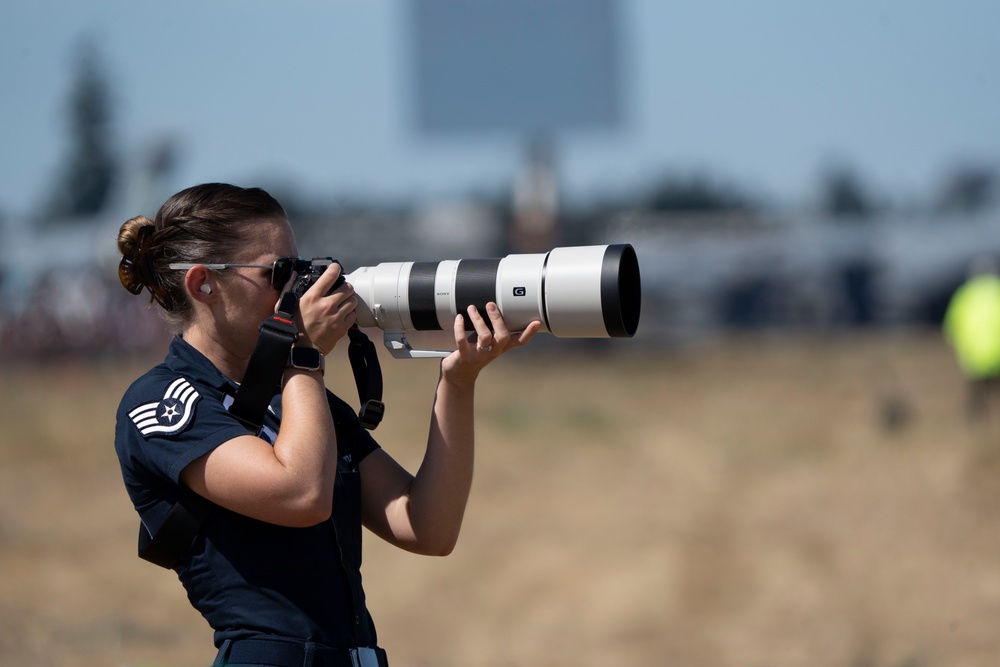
(972,327)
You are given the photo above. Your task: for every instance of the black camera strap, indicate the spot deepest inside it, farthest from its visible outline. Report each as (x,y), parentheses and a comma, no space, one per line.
(367,376)
(260,382)
(262,379)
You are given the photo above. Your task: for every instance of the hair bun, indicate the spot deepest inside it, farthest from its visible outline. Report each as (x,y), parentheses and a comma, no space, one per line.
(134,237)
(136,271)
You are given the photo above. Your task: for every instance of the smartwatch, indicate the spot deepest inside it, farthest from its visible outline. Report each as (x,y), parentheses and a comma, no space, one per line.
(306,359)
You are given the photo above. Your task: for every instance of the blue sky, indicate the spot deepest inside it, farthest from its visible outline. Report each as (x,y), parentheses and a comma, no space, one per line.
(761,93)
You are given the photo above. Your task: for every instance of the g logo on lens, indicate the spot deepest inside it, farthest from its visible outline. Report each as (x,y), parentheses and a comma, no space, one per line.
(520,291)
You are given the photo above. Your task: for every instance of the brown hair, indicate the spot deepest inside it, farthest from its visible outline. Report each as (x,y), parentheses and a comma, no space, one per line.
(202,224)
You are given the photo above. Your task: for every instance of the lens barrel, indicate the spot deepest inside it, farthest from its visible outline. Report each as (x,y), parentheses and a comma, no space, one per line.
(576,292)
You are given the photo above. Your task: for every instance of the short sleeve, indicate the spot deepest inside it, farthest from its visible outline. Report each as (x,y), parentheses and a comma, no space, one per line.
(165,423)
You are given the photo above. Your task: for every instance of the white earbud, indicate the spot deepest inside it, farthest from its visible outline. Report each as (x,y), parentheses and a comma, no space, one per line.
(206,288)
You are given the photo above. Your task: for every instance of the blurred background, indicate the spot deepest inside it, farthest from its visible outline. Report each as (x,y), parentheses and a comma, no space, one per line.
(775,164)
(806,186)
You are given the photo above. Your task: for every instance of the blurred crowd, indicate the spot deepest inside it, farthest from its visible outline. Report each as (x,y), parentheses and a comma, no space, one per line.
(83,313)
(701,273)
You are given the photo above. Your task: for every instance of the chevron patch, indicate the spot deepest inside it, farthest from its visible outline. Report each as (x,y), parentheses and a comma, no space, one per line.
(170,414)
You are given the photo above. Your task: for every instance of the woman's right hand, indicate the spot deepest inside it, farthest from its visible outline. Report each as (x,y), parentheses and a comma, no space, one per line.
(325,318)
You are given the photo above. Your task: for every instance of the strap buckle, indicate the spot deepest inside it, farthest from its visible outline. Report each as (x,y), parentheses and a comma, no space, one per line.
(371,413)
(282,322)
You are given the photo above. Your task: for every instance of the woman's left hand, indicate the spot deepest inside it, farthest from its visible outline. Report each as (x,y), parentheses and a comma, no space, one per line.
(477,350)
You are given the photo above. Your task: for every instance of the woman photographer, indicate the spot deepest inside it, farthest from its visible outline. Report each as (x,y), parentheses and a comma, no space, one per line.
(275,567)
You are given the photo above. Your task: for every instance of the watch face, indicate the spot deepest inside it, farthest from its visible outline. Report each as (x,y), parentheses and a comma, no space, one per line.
(306,357)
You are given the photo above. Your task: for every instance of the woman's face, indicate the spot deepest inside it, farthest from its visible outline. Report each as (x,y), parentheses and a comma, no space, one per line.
(246,295)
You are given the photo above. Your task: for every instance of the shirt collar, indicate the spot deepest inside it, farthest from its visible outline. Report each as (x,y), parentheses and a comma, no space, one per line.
(183,358)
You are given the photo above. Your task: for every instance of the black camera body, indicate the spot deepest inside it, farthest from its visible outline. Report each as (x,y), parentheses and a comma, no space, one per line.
(316,268)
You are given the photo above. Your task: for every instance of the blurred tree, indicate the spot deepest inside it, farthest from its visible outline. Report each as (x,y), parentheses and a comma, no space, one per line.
(89,172)
(844,195)
(696,193)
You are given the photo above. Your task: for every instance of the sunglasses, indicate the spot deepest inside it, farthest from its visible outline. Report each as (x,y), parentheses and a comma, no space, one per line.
(281,269)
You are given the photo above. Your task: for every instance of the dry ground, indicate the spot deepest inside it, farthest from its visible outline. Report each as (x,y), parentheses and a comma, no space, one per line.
(742,504)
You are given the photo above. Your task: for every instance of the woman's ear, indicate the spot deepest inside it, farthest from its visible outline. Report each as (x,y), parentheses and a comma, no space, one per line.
(197,284)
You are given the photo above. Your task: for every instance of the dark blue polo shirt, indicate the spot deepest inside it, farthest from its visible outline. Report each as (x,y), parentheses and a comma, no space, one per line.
(245,576)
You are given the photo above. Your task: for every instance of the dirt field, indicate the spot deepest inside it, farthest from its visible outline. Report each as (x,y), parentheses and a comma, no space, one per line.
(742,504)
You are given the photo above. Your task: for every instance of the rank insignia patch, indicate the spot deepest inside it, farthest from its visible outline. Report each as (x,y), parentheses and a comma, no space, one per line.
(170,414)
